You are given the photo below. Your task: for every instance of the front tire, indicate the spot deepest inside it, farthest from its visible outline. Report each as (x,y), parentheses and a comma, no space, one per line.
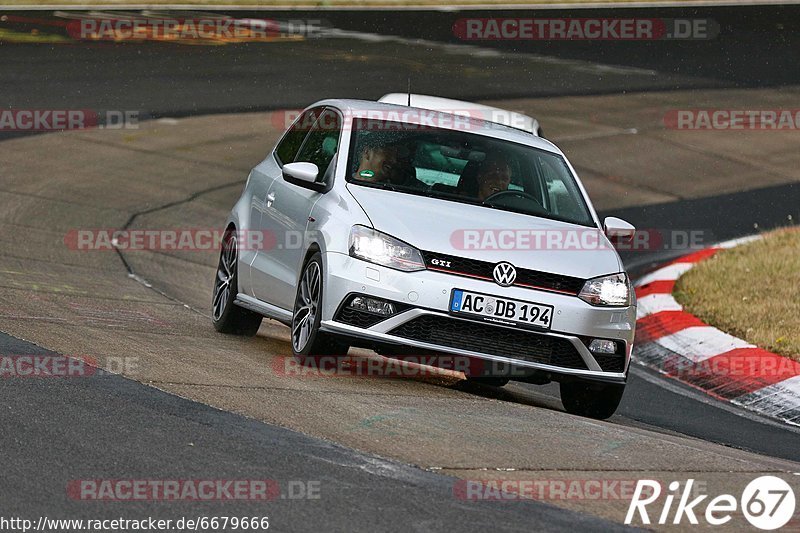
(225,315)
(308,342)
(592,400)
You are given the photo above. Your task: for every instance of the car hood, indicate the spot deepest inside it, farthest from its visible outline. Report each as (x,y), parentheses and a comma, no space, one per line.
(486,234)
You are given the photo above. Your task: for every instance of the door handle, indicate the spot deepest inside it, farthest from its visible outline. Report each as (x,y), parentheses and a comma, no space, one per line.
(270,199)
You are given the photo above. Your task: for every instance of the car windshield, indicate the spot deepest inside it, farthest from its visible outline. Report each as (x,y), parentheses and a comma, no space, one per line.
(465,167)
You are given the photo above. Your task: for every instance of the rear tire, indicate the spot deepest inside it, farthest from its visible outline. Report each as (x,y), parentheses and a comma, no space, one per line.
(308,342)
(226,316)
(592,400)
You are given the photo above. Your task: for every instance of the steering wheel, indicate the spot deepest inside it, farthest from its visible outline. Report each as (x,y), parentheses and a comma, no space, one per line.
(513,192)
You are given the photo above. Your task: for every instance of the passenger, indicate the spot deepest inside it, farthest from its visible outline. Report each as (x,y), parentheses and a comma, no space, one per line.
(373,164)
(388,164)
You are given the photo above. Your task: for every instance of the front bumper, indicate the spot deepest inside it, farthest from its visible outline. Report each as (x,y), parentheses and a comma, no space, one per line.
(427,295)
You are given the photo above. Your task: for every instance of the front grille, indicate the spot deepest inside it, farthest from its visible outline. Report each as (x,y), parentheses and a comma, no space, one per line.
(473,336)
(474,268)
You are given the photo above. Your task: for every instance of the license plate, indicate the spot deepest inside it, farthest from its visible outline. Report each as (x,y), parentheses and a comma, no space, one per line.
(501,310)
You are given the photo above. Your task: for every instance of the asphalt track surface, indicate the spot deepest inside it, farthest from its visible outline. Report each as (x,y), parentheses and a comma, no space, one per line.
(103,411)
(122,429)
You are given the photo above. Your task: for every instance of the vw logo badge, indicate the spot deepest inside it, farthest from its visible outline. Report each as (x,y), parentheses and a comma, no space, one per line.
(504,274)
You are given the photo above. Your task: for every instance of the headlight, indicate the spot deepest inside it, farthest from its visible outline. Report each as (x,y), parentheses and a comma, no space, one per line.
(612,290)
(379,248)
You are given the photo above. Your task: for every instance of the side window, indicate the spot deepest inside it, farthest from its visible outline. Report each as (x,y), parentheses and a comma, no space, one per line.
(322,142)
(287,149)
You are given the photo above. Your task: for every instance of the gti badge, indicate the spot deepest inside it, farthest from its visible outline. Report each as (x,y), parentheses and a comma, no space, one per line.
(440,262)
(504,274)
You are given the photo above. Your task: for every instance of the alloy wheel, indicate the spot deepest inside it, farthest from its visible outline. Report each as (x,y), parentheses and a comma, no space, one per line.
(226,272)
(306,306)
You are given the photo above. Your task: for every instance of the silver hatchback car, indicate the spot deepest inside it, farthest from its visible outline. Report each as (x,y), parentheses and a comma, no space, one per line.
(412,231)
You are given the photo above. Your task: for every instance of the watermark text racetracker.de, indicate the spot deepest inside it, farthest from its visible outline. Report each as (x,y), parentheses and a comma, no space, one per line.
(409,119)
(544,489)
(41,120)
(717,119)
(26,366)
(580,239)
(406,365)
(186,239)
(583,29)
(210,28)
(732,364)
(181,490)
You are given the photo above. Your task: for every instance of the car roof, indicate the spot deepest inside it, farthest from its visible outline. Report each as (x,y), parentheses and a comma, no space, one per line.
(422,116)
(511,119)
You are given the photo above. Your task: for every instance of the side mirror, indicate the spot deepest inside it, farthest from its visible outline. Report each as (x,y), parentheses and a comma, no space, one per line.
(618,230)
(303,175)
(306,172)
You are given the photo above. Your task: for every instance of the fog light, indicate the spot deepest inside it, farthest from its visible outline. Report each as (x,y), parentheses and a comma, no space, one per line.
(370,305)
(603,346)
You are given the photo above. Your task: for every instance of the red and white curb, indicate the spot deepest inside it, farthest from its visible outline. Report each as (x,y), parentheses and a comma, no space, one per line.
(681,346)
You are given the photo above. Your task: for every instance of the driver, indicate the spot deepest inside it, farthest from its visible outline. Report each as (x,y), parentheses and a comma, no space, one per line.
(493,176)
